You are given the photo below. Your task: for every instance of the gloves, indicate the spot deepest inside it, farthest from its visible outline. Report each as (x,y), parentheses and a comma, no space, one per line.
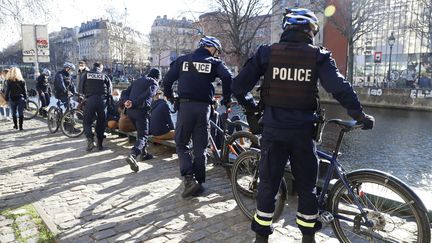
(253,121)
(368,121)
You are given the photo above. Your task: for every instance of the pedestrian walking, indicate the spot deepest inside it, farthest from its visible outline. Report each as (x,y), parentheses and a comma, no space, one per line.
(16,94)
(96,87)
(44,90)
(138,97)
(196,73)
(289,94)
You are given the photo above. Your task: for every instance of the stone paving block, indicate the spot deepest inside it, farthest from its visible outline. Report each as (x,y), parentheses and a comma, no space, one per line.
(6,222)
(30,232)
(160,239)
(196,235)
(126,227)
(7,238)
(103,234)
(23,225)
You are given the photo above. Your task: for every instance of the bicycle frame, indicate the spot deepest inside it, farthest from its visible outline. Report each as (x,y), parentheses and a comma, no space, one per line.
(224,131)
(335,166)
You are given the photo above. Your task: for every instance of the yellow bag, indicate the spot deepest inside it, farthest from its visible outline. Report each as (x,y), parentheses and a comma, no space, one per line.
(3,101)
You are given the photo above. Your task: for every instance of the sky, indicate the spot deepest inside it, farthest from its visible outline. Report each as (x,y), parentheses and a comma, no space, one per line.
(140,13)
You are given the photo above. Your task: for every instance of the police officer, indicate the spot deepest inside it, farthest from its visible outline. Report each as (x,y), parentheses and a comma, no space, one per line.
(289,93)
(96,88)
(63,85)
(138,98)
(195,73)
(44,90)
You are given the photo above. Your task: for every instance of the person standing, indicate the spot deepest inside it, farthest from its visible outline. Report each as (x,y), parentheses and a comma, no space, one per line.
(82,70)
(138,97)
(196,73)
(4,108)
(44,90)
(63,84)
(289,93)
(96,87)
(16,94)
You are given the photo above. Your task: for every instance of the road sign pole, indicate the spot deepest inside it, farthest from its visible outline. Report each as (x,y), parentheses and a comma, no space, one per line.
(36,68)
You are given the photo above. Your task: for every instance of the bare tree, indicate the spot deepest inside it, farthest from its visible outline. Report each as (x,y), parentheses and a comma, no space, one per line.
(18,11)
(171,38)
(422,25)
(240,20)
(354,19)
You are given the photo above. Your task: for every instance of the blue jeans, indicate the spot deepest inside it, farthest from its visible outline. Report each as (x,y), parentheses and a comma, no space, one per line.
(17,105)
(5,111)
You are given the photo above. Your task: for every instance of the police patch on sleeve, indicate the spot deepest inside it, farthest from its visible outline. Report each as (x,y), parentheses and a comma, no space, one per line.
(99,76)
(201,67)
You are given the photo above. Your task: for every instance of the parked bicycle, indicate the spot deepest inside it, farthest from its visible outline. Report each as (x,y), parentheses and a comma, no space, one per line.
(364,205)
(70,122)
(31,108)
(231,145)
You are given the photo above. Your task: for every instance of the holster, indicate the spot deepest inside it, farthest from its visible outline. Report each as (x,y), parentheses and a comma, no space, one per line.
(319,126)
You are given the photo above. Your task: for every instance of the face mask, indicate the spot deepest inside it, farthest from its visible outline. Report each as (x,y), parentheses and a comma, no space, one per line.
(116,98)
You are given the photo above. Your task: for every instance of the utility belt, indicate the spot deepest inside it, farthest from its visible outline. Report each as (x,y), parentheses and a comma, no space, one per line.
(103,96)
(183,100)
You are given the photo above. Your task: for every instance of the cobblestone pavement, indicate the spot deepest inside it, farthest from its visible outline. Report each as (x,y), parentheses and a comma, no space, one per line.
(87,197)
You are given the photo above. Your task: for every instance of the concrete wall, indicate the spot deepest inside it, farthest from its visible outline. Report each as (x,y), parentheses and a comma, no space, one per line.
(412,99)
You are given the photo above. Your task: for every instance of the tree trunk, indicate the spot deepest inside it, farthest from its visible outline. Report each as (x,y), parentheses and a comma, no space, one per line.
(350,74)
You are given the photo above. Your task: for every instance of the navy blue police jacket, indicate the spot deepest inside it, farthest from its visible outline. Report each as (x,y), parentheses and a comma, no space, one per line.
(160,118)
(194,85)
(141,92)
(329,77)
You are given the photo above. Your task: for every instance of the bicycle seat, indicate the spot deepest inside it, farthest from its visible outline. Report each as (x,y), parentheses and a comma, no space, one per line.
(345,124)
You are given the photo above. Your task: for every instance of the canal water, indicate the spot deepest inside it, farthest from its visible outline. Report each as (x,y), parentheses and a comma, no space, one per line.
(400,144)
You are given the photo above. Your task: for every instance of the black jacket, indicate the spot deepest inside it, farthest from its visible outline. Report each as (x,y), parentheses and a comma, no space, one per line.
(15,90)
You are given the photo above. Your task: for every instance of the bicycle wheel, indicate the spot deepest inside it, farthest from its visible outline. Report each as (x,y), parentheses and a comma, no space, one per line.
(244,183)
(53,119)
(72,123)
(391,207)
(236,144)
(30,110)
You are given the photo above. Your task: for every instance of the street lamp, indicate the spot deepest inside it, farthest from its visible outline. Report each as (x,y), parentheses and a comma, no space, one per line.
(391,42)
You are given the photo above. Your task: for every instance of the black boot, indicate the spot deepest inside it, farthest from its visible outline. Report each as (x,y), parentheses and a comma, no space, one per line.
(90,144)
(190,186)
(131,160)
(261,238)
(99,144)
(14,118)
(200,190)
(20,122)
(145,155)
(308,239)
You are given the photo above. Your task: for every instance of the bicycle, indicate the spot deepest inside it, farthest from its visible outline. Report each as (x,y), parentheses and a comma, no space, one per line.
(362,205)
(231,145)
(70,122)
(31,108)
